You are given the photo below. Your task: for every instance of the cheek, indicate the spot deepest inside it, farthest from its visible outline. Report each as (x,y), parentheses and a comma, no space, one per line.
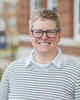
(57,39)
(53,39)
(34,40)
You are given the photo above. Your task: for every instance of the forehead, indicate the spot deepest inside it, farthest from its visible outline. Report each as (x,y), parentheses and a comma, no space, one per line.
(44,23)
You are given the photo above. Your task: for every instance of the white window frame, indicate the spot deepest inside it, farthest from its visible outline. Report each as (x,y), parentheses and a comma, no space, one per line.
(2,24)
(12,22)
(1,7)
(13,1)
(76,20)
(50,4)
(11,7)
(32,6)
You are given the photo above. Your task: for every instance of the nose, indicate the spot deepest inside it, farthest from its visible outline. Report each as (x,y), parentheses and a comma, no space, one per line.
(44,35)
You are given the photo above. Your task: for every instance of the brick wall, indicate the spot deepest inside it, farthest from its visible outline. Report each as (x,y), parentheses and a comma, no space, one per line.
(65,9)
(23,13)
(44,3)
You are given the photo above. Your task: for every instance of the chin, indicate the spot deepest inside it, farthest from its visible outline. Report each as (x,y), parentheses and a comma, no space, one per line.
(43,51)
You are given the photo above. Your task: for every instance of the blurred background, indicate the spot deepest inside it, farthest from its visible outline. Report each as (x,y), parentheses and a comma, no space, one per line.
(14,16)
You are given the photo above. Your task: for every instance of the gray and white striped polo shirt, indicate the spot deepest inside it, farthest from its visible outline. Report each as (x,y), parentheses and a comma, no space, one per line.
(33,82)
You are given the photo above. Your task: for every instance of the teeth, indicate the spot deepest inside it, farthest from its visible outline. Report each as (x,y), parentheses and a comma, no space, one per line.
(44,43)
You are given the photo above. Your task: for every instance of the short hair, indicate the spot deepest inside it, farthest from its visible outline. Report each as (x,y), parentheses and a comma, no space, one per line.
(47,14)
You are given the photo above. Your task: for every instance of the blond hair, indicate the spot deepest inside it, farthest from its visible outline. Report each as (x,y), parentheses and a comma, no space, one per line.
(47,14)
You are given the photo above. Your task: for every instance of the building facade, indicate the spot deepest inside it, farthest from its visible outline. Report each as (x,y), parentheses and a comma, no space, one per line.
(17,14)
(8,12)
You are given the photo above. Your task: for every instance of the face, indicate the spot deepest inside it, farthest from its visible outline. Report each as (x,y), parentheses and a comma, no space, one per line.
(45,44)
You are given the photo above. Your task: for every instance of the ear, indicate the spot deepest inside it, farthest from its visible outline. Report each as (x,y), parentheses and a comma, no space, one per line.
(30,34)
(59,36)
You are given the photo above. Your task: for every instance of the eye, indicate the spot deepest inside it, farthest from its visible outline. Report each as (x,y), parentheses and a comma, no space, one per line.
(51,31)
(37,31)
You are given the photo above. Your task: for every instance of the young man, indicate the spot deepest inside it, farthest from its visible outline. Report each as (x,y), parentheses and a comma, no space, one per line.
(46,74)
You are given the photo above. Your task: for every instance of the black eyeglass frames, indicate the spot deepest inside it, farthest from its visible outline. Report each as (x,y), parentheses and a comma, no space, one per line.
(50,33)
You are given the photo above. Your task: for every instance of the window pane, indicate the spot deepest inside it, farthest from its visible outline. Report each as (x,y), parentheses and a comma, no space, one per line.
(37,4)
(12,22)
(77,20)
(1,7)
(52,4)
(34,4)
(11,7)
(79,17)
(2,24)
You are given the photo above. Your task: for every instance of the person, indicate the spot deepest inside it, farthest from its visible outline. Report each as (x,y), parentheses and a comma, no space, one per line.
(46,74)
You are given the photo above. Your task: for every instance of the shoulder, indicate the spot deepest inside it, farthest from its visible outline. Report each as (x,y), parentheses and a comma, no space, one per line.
(19,61)
(15,67)
(70,59)
(71,63)
(17,64)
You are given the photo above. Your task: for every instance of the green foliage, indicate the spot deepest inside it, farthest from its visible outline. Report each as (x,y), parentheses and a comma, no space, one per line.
(0,78)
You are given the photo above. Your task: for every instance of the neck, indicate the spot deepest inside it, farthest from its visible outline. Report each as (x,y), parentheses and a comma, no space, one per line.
(45,58)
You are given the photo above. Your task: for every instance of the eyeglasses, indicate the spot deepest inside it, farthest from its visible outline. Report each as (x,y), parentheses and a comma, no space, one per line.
(51,33)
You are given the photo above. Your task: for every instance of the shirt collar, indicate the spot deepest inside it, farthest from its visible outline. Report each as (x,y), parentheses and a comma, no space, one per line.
(29,59)
(56,61)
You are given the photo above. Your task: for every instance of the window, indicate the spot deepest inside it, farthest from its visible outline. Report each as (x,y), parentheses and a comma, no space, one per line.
(2,40)
(2,24)
(77,20)
(12,22)
(1,7)
(11,5)
(52,4)
(79,17)
(34,4)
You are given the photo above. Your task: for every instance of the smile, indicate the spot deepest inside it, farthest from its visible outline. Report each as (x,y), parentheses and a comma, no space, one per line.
(45,43)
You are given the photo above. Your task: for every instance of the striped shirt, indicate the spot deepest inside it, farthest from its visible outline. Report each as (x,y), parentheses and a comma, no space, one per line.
(26,80)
